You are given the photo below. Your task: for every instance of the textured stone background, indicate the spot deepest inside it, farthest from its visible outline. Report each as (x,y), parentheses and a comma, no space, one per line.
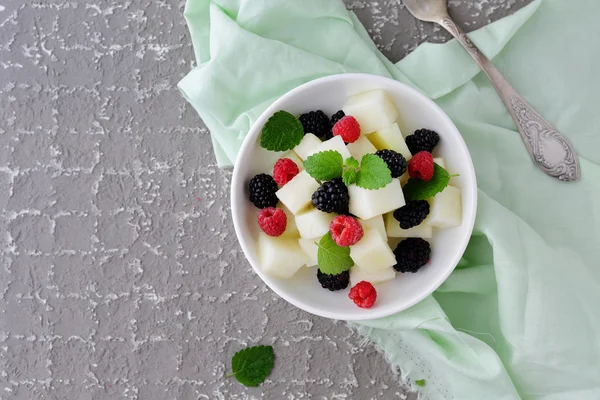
(120,274)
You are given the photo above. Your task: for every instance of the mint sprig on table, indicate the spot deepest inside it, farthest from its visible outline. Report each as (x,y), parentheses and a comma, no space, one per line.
(333,259)
(324,166)
(252,365)
(416,189)
(281,132)
(420,382)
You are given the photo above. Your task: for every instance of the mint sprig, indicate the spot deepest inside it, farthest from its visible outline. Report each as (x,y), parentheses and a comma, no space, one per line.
(252,365)
(417,189)
(373,173)
(325,165)
(350,171)
(281,132)
(333,259)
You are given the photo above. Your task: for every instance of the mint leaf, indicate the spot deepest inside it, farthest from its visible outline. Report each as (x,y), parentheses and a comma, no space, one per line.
(420,382)
(281,132)
(416,189)
(349,176)
(352,162)
(374,173)
(333,259)
(325,165)
(252,365)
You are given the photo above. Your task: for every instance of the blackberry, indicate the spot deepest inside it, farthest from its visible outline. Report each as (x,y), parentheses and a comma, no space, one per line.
(333,282)
(412,214)
(422,140)
(334,119)
(395,161)
(262,191)
(332,196)
(315,122)
(411,254)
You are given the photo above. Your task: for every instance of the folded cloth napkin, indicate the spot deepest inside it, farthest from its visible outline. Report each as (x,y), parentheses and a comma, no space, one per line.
(518,318)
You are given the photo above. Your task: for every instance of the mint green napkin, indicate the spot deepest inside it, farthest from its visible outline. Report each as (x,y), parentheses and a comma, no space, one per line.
(519,316)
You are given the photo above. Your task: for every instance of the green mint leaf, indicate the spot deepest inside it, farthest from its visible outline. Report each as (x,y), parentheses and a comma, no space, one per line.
(281,132)
(374,173)
(349,177)
(252,365)
(325,165)
(352,162)
(416,189)
(333,259)
(420,382)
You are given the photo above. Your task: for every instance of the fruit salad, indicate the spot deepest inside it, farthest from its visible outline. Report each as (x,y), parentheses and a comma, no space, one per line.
(351,196)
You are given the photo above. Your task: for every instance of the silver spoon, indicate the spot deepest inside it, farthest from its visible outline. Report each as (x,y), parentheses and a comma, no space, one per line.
(549,149)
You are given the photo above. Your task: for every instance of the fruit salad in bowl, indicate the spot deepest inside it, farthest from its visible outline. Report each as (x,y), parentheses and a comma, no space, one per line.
(353,196)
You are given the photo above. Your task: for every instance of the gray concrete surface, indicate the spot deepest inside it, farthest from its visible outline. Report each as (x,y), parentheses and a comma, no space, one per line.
(120,275)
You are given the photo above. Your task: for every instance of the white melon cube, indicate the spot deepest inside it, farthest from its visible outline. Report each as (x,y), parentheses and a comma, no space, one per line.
(374,223)
(390,138)
(291,230)
(372,253)
(313,223)
(446,209)
(308,146)
(440,161)
(373,110)
(280,257)
(294,157)
(311,250)
(361,147)
(358,274)
(297,193)
(335,143)
(404,178)
(366,204)
(392,228)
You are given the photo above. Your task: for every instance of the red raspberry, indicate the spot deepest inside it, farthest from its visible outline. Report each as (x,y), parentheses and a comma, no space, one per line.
(346,230)
(272,221)
(284,171)
(348,128)
(363,294)
(420,166)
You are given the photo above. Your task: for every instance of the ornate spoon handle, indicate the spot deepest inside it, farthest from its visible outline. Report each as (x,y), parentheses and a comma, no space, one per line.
(549,149)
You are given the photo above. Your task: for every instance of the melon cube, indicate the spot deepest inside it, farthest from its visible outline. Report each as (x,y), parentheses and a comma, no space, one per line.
(335,143)
(373,110)
(390,138)
(291,230)
(374,223)
(280,257)
(313,223)
(308,146)
(294,157)
(361,147)
(446,209)
(404,178)
(366,204)
(372,252)
(297,193)
(440,161)
(358,274)
(392,228)
(311,250)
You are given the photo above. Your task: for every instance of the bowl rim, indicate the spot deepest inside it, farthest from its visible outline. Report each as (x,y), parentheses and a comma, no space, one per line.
(237,183)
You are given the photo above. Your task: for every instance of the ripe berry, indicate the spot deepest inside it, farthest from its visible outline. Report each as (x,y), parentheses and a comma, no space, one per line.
(394,160)
(332,196)
(363,294)
(262,190)
(315,122)
(420,166)
(348,128)
(422,140)
(272,221)
(411,254)
(284,171)
(333,282)
(412,213)
(346,230)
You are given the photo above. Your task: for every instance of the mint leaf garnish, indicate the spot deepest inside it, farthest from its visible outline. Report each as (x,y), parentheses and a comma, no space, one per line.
(333,259)
(325,165)
(252,365)
(416,189)
(351,162)
(374,173)
(349,177)
(281,132)
(420,382)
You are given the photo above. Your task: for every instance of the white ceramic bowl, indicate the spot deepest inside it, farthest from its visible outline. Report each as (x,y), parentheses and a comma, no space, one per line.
(416,111)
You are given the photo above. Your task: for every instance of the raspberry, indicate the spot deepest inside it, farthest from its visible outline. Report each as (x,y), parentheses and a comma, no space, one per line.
(333,282)
(315,122)
(411,254)
(272,221)
(395,161)
(332,196)
(412,214)
(420,166)
(422,140)
(348,128)
(363,294)
(284,171)
(346,230)
(334,119)
(262,191)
